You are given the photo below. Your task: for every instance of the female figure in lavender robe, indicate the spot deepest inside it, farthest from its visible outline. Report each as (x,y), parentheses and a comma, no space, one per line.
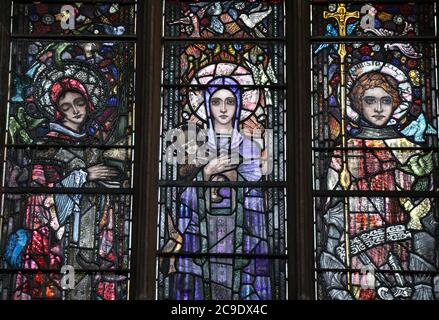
(217,221)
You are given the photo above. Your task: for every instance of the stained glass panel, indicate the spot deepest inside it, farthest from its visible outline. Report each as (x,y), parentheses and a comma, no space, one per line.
(43,232)
(379,19)
(232,19)
(265,61)
(109,19)
(109,83)
(68,155)
(389,278)
(375,143)
(222,229)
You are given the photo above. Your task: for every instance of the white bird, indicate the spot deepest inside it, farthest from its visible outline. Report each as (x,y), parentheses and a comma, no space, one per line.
(254,18)
(381,32)
(418,129)
(406,49)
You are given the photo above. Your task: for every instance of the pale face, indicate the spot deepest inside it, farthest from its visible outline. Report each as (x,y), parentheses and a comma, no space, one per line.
(222,109)
(73,107)
(377,106)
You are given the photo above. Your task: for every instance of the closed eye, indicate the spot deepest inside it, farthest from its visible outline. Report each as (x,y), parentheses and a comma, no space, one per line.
(65,107)
(80,102)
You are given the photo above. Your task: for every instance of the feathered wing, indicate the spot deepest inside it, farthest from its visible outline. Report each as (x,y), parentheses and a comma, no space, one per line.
(426,164)
(351,27)
(419,164)
(215,9)
(217,25)
(257,8)
(405,48)
(417,129)
(411,129)
(14,249)
(256,72)
(430,130)
(334,280)
(271,74)
(418,213)
(257,17)
(321,47)
(331,31)
(409,51)
(381,32)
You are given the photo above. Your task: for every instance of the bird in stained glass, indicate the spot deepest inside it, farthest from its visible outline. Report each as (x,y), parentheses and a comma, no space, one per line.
(252,19)
(217,25)
(382,32)
(405,48)
(262,76)
(215,9)
(419,164)
(192,20)
(416,212)
(14,249)
(418,129)
(20,123)
(56,48)
(110,30)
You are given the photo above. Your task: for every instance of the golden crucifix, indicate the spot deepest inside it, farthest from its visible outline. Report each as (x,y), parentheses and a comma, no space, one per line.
(341,15)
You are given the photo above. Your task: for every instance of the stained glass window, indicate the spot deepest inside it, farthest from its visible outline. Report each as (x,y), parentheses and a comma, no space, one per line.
(67,186)
(375,143)
(222,229)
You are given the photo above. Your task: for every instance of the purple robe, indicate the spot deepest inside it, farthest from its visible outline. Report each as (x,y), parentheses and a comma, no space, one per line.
(232,222)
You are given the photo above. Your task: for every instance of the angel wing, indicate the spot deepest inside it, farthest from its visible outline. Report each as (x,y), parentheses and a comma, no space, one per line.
(351,27)
(331,30)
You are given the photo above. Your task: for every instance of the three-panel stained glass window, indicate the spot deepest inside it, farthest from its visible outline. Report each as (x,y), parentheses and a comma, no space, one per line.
(67,188)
